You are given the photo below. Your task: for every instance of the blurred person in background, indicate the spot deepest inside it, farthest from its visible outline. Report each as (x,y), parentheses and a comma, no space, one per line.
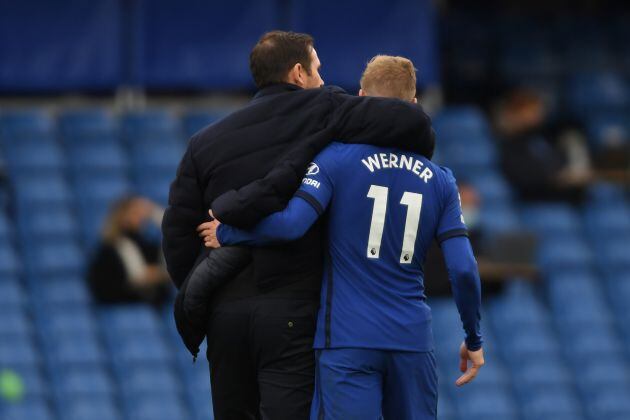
(541,160)
(128,264)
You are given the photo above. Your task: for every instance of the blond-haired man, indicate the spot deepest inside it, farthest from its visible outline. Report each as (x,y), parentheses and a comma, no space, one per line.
(374,345)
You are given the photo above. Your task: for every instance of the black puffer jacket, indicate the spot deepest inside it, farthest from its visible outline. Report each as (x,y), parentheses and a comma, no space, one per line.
(257,156)
(192,305)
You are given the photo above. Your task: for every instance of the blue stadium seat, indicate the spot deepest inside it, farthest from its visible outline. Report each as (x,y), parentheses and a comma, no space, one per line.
(576,299)
(149,380)
(43,157)
(89,407)
(56,258)
(155,125)
(74,350)
(31,409)
(73,382)
(9,261)
(498,218)
(25,125)
(105,189)
(18,351)
(123,319)
(613,255)
(551,219)
(486,403)
(11,294)
(529,342)
(97,159)
(47,222)
(492,187)
(6,230)
(606,220)
(564,253)
(618,292)
(600,372)
(592,343)
(58,321)
(14,323)
(49,190)
(137,348)
(516,313)
(66,291)
(608,403)
(551,403)
(156,408)
(569,286)
(459,123)
(605,193)
(160,158)
(467,158)
(535,375)
(87,126)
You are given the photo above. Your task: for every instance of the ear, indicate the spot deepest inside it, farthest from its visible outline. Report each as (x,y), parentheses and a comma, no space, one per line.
(414,100)
(294,76)
(362,92)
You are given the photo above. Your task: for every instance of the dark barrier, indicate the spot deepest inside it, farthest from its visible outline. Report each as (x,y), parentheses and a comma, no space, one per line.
(69,45)
(60,45)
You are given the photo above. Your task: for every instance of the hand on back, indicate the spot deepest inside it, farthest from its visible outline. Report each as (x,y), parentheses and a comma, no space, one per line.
(208,232)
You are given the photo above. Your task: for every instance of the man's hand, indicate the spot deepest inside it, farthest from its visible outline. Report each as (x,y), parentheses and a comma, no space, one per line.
(469,373)
(208,232)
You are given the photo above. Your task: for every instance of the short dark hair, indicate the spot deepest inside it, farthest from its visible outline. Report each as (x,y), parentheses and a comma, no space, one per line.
(276,53)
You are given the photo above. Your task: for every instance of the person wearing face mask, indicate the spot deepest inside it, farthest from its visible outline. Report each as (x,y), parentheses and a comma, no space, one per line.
(128,264)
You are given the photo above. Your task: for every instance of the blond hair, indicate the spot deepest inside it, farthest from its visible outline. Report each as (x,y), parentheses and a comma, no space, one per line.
(113,225)
(389,76)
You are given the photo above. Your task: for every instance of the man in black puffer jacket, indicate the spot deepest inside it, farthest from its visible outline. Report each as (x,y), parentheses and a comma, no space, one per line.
(261,323)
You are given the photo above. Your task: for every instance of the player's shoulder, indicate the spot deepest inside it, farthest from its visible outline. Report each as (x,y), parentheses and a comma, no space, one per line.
(446,180)
(337,151)
(445,173)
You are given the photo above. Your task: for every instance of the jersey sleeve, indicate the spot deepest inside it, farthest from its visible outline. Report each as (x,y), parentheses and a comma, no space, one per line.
(451,222)
(318,183)
(286,225)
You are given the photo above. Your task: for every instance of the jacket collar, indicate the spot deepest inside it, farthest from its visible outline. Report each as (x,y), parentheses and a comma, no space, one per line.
(275,89)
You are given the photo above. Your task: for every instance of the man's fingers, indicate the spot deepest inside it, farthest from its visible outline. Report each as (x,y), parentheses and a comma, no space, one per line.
(211,231)
(463,364)
(203,226)
(468,376)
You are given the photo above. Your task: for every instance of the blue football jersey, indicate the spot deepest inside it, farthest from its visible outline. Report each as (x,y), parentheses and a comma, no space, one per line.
(386,207)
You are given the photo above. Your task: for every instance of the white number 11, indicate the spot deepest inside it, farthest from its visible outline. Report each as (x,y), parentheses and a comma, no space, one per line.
(413,201)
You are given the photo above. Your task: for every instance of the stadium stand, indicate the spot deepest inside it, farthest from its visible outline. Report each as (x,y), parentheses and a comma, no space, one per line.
(559,351)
